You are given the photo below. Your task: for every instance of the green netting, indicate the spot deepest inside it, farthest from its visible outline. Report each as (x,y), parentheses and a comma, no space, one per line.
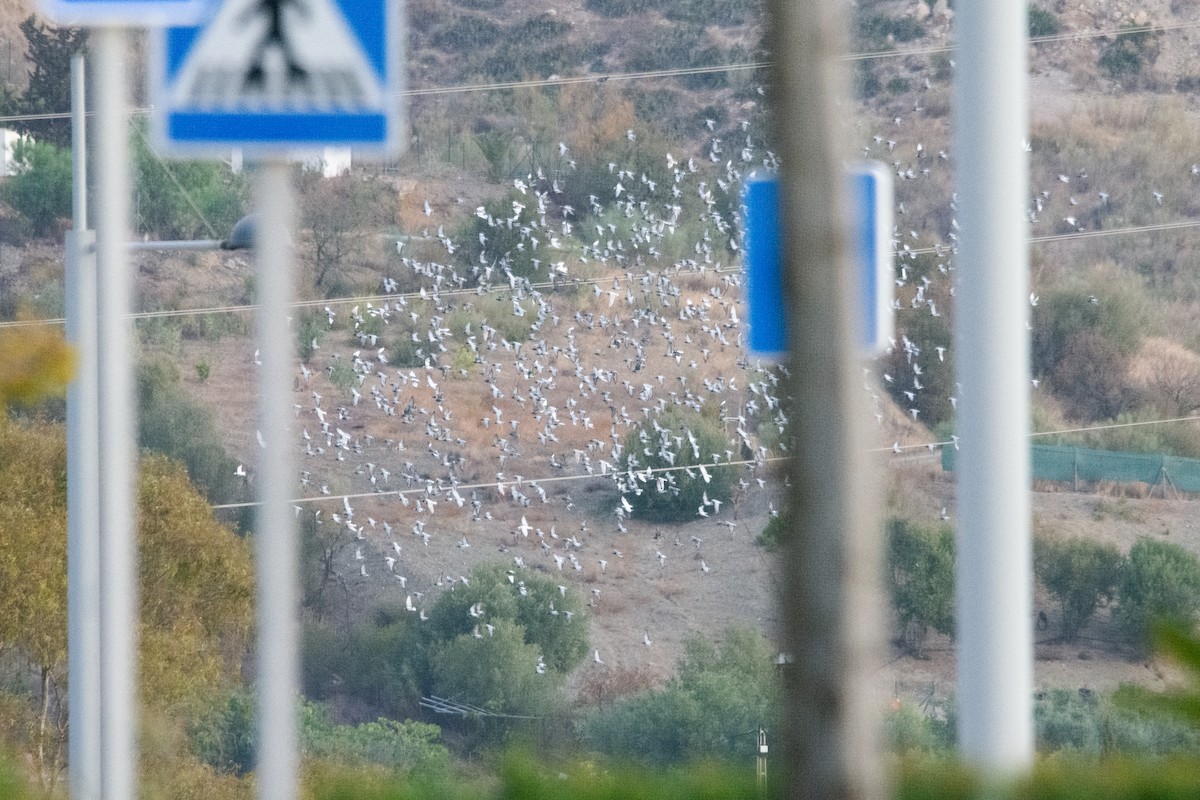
(1060,463)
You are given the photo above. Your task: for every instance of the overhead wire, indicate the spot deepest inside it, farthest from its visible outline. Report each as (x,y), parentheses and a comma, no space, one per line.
(416,295)
(440,487)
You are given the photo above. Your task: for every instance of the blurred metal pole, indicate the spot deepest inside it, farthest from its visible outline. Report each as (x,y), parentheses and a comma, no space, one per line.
(995,571)
(117,425)
(79,220)
(833,634)
(83,475)
(277,556)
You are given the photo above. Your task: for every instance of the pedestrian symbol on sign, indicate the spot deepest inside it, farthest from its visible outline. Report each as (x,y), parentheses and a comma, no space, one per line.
(274,37)
(277,55)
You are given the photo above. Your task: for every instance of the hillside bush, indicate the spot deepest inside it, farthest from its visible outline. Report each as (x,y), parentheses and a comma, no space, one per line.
(402,747)
(224,736)
(1093,377)
(171,422)
(710,710)
(1079,573)
(465,33)
(1161,581)
(496,671)
(924,371)
(1135,48)
(552,621)
(537,47)
(620,8)
(909,731)
(507,227)
(880,32)
(685,45)
(1042,22)
(679,447)
(1082,341)
(40,189)
(776,532)
(713,12)
(920,566)
(184,199)
(338,217)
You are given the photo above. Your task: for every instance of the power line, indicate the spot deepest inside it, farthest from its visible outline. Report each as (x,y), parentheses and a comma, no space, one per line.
(439,487)
(1062,432)
(938,249)
(366,299)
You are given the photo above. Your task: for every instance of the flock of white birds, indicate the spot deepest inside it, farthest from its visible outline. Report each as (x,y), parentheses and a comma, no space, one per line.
(516,445)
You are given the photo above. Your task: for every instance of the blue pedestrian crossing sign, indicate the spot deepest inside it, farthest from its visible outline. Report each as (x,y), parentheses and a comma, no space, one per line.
(273,77)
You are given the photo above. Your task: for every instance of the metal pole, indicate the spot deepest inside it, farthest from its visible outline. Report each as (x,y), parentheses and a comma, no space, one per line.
(831,611)
(83,477)
(79,220)
(994,580)
(117,426)
(278,595)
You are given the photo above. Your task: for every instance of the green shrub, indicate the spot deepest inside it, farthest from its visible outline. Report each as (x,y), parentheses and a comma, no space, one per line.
(550,620)
(908,731)
(1115,313)
(1161,582)
(536,47)
(310,331)
(920,565)
(172,423)
(40,191)
(466,33)
(679,447)
(866,80)
(496,671)
(1126,56)
(879,31)
(926,373)
(712,12)
(619,8)
(1064,720)
(776,532)
(342,374)
(402,747)
(184,199)
(1042,22)
(1079,573)
(225,736)
(710,710)
(685,45)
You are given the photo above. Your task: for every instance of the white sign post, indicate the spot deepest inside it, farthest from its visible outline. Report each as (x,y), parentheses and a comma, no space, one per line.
(271,78)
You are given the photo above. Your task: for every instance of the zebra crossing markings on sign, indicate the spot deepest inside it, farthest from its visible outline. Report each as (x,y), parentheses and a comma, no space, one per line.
(272,75)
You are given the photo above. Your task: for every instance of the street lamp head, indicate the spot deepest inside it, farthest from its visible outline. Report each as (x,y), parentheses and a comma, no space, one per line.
(242,235)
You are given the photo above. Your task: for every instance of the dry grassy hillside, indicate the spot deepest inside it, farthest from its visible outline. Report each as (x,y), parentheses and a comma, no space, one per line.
(661,582)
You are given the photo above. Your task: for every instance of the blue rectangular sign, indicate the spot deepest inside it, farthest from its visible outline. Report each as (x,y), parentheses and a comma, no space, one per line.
(273,77)
(869,190)
(137,13)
